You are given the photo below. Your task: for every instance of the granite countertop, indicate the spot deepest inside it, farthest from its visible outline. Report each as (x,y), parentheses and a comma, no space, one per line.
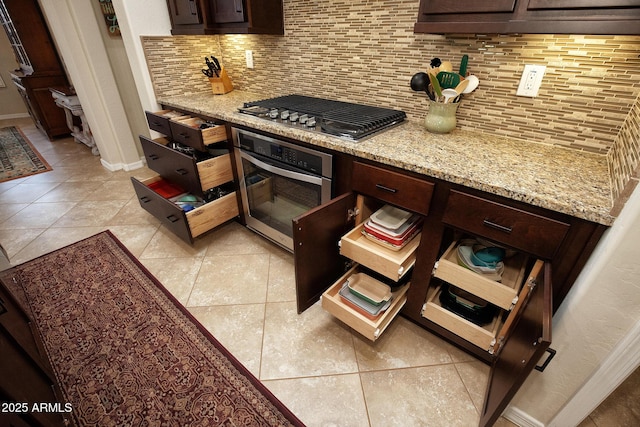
(560,179)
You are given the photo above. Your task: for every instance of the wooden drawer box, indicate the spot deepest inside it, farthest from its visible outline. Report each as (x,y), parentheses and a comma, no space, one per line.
(186,225)
(392,187)
(183,170)
(187,131)
(480,336)
(159,120)
(392,264)
(522,230)
(372,329)
(501,294)
(487,337)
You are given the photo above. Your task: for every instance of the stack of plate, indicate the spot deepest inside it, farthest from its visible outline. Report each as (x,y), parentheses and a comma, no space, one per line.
(366,295)
(392,227)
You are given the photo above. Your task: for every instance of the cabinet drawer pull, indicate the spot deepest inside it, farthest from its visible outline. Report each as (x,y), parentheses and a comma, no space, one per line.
(182,171)
(173,218)
(145,199)
(385,188)
(499,227)
(156,124)
(184,135)
(552,353)
(153,156)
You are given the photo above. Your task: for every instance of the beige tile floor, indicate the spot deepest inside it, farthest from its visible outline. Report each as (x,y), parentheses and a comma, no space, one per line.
(241,287)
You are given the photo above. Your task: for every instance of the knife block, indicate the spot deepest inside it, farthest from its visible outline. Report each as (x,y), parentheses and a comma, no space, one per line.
(221,85)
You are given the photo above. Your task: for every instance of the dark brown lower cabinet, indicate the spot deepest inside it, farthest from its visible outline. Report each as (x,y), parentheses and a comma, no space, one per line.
(26,378)
(520,333)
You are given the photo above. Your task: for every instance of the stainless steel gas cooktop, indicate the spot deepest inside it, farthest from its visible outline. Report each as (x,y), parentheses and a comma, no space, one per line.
(342,119)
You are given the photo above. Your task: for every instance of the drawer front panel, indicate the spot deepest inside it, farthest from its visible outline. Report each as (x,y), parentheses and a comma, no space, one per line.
(392,187)
(168,213)
(159,120)
(188,132)
(187,135)
(176,167)
(158,123)
(522,230)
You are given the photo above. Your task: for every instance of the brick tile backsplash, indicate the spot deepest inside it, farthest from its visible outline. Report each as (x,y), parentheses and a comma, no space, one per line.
(364,51)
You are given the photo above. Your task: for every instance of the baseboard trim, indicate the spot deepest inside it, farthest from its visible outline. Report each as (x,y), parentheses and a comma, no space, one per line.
(520,418)
(15,116)
(122,166)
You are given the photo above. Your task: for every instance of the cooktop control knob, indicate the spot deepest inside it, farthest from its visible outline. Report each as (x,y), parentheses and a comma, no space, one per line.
(284,115)
(293,117)
(303,119)
(274,113)
(311,122)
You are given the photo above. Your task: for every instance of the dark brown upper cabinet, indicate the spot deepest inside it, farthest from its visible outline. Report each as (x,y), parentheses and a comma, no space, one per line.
(226,17)
(529,16)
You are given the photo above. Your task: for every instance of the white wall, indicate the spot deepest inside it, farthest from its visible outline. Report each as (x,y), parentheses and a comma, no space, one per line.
(11,103)
(602,308)
(142,18)
(76,29)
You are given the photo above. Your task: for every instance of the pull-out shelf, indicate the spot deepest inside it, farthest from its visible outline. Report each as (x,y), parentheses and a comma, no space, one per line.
(370,328)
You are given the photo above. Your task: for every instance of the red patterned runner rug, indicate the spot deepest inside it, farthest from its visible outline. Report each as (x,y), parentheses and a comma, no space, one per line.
(126,353)
(18,157)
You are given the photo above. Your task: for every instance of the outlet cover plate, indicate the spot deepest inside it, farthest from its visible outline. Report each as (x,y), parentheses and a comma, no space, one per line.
(531,80)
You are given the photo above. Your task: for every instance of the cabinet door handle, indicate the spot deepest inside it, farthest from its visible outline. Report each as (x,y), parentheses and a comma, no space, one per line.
(182,171)
(153,157)
(552,353)
(496,226)
(145,199)
(173,218)
(385,188)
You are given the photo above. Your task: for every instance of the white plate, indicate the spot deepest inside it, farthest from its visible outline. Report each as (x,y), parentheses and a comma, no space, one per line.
(390,217)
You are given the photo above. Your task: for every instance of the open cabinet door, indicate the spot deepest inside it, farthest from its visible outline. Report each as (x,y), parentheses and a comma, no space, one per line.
(317,259)
(524,343)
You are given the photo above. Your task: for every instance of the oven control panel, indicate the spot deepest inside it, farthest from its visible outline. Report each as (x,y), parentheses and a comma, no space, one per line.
(284,152)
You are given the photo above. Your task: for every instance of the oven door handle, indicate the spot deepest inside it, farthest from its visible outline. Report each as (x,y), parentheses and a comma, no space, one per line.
(316,180)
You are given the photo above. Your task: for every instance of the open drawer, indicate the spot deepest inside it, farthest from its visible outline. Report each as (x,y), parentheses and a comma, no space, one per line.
(183,169)
(187,131)
(333,303)
(490,336)
(186,225)
(503,294)
(390,263)
(159,120)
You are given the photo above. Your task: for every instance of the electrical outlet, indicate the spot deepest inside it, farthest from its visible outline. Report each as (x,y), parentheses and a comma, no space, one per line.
(249,57)
(531,80)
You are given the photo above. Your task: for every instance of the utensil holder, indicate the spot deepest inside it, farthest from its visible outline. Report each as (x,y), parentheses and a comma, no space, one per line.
(222,84)
(441,117)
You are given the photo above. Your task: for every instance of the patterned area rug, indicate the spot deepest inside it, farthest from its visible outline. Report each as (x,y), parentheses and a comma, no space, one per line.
(126,353)
(18,157)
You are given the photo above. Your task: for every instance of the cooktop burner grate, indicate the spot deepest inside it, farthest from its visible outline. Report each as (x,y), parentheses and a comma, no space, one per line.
(343,119)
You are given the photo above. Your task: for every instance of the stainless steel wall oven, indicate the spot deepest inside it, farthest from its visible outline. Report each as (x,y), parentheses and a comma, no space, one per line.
(279,181)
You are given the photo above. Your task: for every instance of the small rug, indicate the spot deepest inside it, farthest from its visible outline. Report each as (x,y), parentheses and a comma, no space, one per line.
(18,157)
(126,353)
